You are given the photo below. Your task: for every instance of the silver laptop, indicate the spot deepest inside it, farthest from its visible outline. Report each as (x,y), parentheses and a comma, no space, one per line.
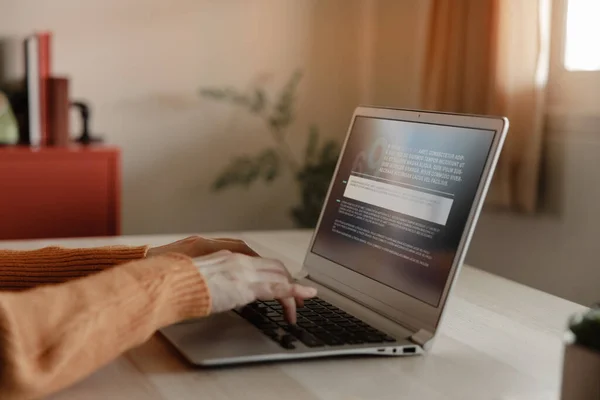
(392,235)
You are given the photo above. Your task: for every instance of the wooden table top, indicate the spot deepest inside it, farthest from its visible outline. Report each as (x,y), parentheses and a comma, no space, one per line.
(500,340)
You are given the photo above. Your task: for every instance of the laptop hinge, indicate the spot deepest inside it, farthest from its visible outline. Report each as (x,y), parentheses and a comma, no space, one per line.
(422,338)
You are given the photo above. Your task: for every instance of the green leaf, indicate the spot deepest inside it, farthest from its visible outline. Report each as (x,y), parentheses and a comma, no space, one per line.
(217,94)
(259,102)
(314,179)
(245,170)
(229,95)
(240,171)
(269,164)
(311,147)
(329,152)
(283,111)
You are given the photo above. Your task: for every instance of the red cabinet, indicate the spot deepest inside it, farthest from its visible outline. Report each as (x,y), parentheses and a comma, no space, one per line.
(59,192)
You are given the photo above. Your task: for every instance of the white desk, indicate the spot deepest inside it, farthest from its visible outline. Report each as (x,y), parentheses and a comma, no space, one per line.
(500,340)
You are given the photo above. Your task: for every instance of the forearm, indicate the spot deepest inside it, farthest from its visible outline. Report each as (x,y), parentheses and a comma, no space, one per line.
(20,270)
(52,336)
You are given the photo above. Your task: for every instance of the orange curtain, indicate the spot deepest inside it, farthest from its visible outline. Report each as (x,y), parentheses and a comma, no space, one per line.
(491,57)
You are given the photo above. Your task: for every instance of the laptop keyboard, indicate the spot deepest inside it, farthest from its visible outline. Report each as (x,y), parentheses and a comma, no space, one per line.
(319,324)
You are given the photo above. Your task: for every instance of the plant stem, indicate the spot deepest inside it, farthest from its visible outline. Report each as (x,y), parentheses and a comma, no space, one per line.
(285,150)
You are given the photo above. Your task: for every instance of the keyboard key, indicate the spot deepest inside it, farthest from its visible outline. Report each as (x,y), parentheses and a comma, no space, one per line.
(308,339)
(247,312)
(327,313)
(266,325)
(306,312)
(319,324)
(272,314)
(334,342)
(295,330)
(315,318)
(336,331)
(287,342)
(306,324)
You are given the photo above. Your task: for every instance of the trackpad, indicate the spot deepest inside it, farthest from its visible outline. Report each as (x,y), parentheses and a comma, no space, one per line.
(220,336)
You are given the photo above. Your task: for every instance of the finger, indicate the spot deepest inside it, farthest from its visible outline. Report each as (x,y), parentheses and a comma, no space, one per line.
(286,293)
(278,291)
(289,309)
(303,292)
(291,304)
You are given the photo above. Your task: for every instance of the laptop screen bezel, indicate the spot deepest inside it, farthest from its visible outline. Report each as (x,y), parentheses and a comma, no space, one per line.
(413,313)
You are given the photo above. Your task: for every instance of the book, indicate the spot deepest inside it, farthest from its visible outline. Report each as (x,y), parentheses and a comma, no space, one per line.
(44,43)
(38,58)
(32,62)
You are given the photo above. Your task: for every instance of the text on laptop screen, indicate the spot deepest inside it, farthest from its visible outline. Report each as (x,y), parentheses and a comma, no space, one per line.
(400,201)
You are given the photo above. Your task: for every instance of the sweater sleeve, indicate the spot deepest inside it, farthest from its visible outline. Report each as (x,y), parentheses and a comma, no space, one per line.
(21,270)
(53,336)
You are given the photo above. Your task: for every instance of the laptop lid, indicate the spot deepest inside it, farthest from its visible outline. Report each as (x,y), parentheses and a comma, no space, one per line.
(401,209)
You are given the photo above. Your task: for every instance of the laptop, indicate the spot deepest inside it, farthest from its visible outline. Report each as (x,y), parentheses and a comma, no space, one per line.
(391,238)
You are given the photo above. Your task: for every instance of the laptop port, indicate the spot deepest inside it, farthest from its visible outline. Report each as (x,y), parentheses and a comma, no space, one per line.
(409,350)
(381,350)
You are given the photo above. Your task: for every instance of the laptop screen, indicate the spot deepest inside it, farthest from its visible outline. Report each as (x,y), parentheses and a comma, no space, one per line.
(400,202)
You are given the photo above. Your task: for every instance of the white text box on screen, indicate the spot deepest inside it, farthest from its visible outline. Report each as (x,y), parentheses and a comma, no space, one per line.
(426,206)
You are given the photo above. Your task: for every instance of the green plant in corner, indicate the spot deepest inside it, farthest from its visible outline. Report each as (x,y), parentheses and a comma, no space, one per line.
(312,173)
(585,328)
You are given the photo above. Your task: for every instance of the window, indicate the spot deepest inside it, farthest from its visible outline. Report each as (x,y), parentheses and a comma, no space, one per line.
(574,80)
(582,52)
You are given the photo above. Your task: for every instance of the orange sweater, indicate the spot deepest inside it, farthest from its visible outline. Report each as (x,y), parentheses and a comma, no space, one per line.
(53,335)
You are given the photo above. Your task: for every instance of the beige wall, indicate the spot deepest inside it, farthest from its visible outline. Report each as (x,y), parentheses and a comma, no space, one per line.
(140,64)
(556,251)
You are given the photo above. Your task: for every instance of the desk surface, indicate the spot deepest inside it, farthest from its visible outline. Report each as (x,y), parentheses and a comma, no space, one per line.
(500,340)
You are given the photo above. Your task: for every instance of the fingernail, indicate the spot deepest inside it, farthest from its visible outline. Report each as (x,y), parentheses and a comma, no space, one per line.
(308,291)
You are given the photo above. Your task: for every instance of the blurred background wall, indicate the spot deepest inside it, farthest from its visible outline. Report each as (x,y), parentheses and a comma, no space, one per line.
(141,63)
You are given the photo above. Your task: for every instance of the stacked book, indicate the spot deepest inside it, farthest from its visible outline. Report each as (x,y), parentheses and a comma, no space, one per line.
(47,96)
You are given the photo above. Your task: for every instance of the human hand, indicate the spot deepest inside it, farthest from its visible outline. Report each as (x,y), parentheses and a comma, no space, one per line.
(235,280)
(197,246)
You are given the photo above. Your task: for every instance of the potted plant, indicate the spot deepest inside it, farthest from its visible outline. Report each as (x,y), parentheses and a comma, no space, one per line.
(581,366)
(312,172)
